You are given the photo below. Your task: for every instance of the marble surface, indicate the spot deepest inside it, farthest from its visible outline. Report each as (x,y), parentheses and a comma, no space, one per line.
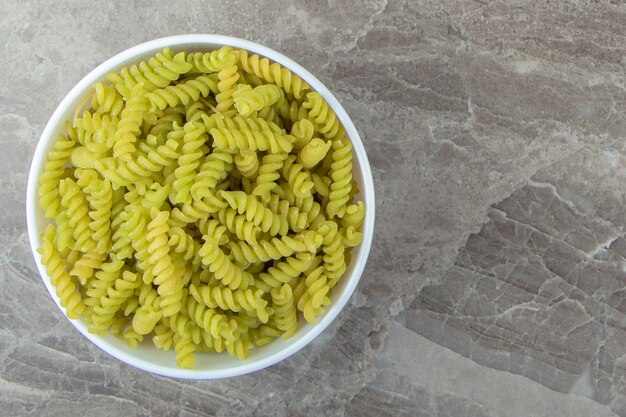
(495,285)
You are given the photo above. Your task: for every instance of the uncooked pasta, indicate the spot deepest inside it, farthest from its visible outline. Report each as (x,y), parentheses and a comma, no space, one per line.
(204,202)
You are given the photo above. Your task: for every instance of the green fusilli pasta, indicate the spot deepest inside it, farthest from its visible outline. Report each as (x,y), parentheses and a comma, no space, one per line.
(200,202)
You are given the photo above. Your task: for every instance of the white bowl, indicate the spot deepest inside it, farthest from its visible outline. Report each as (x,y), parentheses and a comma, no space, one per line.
(208,365)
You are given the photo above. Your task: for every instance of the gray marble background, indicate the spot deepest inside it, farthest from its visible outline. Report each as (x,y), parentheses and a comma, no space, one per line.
(495,286)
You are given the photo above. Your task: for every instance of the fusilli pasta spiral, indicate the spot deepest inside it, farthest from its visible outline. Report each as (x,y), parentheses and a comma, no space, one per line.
(227,85)
(313,152)
(53,170)
(247,163)
(248,99)
(169,285)
(254,140)
(225,271)
(190,90)
(273,73)
(321,114)
(74,201)
(269,169)
(341,174)
(195,137)
(66,289)
(283,304)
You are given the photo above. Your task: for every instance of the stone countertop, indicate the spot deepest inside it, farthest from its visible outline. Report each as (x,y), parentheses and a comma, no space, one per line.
(495,285)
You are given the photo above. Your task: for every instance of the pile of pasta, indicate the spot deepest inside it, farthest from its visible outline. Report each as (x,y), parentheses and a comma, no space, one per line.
(204,201)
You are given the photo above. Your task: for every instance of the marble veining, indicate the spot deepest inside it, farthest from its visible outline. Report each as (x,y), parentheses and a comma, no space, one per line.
(495,286)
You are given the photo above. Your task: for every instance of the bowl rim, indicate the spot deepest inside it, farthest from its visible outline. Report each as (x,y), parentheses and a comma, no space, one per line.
(191,41)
